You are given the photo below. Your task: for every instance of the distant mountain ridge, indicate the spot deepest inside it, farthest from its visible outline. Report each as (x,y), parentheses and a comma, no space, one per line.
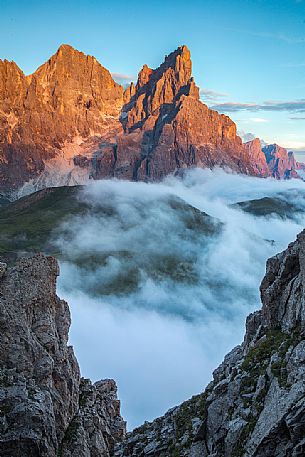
(273,160)
(70,121)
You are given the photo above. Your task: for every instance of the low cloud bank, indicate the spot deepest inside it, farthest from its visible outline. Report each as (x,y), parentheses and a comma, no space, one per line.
(160,278)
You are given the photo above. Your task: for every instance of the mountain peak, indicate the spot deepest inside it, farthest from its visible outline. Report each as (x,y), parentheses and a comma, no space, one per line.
(66,51)
(180,61)
(161,87)
(66,47)
(146,132)
(144,75)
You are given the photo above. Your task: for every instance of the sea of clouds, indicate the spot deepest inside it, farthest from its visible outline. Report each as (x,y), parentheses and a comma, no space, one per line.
(156,301)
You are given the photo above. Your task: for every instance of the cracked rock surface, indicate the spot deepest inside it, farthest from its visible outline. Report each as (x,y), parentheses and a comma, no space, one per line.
(41,393)
(255,405)
(69,122)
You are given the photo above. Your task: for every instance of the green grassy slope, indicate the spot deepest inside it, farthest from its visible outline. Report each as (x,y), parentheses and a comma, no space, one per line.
(26,225)
(268,206)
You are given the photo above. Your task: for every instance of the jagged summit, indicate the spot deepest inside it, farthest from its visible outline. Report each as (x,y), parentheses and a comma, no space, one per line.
(70,121)
(179,60)
(66,51)
(64,47)
(272,160)
(157,89)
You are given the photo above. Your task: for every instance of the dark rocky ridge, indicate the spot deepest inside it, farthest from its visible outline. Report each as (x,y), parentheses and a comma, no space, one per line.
(69,121)
(43,401)
(255,405)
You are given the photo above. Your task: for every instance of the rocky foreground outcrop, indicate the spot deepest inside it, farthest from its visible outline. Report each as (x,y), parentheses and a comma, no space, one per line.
(70,121)
(255,405)
(45,408)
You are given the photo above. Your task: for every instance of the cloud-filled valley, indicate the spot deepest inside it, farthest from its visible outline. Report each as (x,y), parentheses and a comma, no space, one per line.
(160,277)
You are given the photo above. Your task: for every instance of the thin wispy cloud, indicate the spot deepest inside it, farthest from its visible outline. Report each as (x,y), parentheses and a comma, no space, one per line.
(290,39)
(256,120)
(294,106)
(294,144)
(123,77)
(212,96)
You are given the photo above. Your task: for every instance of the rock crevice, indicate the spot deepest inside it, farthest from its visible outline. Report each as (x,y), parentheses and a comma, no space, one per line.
(41,393)
(255,405)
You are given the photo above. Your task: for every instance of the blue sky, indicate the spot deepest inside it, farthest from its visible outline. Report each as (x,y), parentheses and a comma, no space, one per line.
(248,55)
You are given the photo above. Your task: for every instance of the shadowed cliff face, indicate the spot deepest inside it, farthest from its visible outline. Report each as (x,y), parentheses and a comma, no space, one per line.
(174,129)
(69,121)
(255,404)
(43,402)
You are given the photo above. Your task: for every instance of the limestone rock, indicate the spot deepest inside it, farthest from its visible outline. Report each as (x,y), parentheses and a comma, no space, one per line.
(3,267)
(39,373)
(257,156)
(40,393)
(98,425)
(170,129)
(71,108)
(281,163)
(255,406)
(273,160)
(67,100)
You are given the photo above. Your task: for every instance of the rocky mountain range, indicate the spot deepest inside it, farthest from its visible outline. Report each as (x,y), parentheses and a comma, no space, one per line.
(273,160)
(253,407)
(69,122)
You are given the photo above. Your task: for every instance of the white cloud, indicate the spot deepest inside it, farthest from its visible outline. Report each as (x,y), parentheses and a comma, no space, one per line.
(122,78)
(246,136)
(212,96)
(258,120)
(294,144)
(293,106)
(187,290)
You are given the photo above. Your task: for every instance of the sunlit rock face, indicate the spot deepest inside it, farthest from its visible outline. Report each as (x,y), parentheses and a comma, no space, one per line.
(257,156)
(273,160)
(70,121)
(281,163)
(171,128)
(45,117)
